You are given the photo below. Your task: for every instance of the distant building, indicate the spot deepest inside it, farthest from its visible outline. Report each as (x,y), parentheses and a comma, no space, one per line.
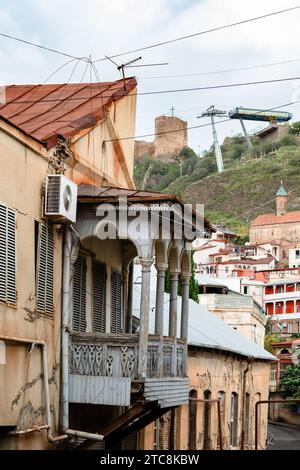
(239,311)
(218,259)
(272,133)
(171,137)
(287,353)
(278,292)
(283,227)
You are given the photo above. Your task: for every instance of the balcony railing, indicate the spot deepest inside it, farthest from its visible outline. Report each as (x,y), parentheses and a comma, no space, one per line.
(116,355)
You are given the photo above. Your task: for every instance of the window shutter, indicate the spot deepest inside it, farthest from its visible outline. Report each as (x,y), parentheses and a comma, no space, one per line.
(99,297)
(45,260)
(79,294)
(7,255)
(116,303)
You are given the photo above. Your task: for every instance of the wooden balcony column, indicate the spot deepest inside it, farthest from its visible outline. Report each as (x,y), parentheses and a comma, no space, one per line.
(146,264)
(185,305)
(159,312)
(127,277)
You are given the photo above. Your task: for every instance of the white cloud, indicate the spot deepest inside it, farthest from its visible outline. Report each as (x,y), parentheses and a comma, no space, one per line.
(108,26)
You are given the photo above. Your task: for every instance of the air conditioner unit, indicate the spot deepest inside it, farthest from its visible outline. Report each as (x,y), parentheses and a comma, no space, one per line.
(60,198)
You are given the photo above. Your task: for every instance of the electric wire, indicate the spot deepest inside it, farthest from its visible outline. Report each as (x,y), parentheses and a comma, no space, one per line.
(39,46)
(216,72)
(207,31)
(179,90)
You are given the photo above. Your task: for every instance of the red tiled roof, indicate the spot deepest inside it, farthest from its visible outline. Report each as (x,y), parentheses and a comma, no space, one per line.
(271,219)
(47,111)
(250,261)
(205,247)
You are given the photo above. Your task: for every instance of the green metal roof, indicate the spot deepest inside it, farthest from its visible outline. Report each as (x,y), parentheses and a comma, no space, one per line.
(281,191)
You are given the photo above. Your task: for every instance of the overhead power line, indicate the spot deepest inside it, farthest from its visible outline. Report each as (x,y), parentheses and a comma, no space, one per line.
(207,31)
(176,90)
(216,72)
(45,48)
(198,126)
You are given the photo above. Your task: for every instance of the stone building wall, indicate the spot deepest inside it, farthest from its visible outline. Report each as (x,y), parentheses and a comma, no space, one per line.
(143,149)
(288,231)
(170,139)
(218,372)
(169,143)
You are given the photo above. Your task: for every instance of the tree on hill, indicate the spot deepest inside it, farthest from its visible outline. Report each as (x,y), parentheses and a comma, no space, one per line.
(290,383)
(295,128)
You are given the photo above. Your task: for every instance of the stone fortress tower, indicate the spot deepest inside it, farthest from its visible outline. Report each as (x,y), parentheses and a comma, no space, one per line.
(170,139)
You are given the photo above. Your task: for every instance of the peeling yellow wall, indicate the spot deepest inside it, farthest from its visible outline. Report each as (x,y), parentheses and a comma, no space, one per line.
(96,158)
(22,397)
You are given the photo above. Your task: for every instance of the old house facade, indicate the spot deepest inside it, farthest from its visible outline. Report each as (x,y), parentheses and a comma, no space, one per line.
(75,369)
(46,129)
(224,367)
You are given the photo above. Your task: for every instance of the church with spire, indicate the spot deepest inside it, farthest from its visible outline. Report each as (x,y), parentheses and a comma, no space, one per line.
(281,229)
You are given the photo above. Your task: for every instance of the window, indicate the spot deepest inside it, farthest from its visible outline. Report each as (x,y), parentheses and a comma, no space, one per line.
(234,420)
(116,302)
(207,421)
(79,294)
(221,398)
(247,418)
(193,421)
(298,326)
(8,291)
(99,297)
(245,290)
(290,327)
(44,268)
(297,253)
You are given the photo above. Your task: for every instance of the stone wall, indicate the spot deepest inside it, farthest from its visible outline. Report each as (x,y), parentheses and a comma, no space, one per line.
(217,372)
(143,149)
(167,142)
(170,139)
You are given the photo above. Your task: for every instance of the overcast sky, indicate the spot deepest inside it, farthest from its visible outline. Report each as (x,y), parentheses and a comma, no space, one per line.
(106,27)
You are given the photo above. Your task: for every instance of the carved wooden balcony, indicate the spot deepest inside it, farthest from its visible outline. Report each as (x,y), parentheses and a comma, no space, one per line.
(104,367)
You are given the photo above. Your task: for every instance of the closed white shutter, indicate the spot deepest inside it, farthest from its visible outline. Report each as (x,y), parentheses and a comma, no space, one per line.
(79,294)
(99,297)
(7,255)
(45,262)
(116,303)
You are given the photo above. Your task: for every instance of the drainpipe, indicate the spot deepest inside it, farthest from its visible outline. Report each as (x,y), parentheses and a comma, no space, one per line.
(47,426)
(65,327)
(244,403)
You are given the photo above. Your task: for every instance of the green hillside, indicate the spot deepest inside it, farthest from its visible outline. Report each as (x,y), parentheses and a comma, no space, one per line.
(245,189)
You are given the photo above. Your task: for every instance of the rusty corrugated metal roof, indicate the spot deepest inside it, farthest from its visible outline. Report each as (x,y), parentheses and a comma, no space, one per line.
(47,111)
(88,193)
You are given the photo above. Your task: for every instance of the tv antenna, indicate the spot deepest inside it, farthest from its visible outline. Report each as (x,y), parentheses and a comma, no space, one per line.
(121,67)
(212,112)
